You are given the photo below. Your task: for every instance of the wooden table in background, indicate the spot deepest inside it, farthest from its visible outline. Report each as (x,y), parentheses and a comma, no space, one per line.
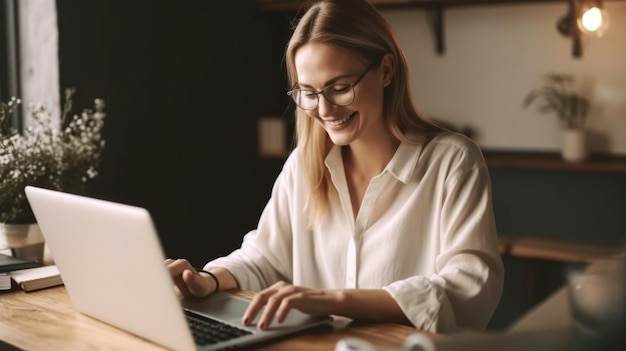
(46,320)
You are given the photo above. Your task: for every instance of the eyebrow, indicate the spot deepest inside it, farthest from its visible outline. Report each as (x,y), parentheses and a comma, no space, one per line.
(326,84)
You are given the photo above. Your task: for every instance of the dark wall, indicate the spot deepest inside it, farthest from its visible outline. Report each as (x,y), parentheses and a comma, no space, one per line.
(569,205)
(587,207)
(179,80)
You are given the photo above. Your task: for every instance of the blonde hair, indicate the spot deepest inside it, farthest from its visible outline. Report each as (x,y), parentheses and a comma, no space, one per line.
(355,25)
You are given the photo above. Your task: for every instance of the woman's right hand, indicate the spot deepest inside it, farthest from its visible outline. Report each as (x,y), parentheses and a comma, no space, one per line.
(188,281)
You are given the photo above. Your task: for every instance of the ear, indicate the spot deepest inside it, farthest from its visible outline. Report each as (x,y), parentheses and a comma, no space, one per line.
(387,68)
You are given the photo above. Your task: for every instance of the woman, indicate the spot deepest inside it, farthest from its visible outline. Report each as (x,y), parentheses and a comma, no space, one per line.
(377,214)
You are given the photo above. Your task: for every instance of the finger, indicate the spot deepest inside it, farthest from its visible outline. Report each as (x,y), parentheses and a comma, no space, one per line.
(257,302)
(168,263)
(280,293)
(181,285)
(270,310)
(197,284)
(178,266)
(283,309)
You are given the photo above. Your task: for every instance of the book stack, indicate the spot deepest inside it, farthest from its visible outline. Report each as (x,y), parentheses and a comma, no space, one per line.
(5,281)
(10,263)
(27,274)
(37,278)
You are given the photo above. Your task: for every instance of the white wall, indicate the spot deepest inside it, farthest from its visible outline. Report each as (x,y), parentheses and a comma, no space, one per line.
(495,54)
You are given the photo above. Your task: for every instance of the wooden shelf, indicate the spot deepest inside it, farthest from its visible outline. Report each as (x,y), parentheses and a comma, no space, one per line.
(294,5)
(553,161)
(273,155)
(434,10)
(533,247)
(528,160)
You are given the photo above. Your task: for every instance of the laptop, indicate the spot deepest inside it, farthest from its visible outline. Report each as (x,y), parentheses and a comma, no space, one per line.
(112,264)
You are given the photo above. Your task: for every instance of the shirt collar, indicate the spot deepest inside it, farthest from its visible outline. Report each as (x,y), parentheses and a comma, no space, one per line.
(402,164)
(405,159)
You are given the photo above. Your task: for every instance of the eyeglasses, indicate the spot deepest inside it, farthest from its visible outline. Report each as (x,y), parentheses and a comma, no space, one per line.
(336,94)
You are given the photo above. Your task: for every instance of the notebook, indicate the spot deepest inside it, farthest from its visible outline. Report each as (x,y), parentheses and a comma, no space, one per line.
(36,278)
(112,264)
(12,263)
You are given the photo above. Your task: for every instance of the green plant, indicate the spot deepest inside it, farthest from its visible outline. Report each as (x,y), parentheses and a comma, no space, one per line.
(45,155)
(557,97)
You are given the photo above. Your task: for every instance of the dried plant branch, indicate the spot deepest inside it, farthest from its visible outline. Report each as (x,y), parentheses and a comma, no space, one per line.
(45,156)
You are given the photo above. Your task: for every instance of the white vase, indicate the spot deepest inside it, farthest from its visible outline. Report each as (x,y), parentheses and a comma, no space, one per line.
(574,148)
(24,240)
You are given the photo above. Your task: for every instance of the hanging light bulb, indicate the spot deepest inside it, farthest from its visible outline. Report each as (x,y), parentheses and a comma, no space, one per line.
(594,19)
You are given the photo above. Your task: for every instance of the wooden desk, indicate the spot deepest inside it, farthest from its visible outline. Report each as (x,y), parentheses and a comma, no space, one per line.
(46,320)
(556,250)
(539,254)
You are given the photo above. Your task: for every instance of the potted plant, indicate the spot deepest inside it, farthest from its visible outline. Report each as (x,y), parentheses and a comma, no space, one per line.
(61,157)
(557,97)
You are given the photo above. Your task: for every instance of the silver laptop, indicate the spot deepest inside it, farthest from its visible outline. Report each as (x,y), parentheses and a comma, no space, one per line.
(112,264)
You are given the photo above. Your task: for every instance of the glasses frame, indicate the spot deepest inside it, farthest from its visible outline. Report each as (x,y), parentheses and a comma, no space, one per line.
(292,93)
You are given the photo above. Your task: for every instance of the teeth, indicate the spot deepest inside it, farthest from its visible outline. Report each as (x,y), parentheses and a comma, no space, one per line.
(341,121)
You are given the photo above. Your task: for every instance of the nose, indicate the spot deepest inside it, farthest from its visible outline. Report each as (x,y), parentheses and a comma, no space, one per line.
(324,106)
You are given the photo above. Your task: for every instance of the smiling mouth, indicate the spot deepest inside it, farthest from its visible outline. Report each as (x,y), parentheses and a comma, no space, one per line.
(341,121)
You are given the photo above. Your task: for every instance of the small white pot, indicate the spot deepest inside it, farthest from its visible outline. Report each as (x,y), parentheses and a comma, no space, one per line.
(25,240)
(574,148)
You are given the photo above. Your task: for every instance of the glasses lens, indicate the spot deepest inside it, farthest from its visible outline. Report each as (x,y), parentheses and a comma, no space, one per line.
(340,94)
(306,99)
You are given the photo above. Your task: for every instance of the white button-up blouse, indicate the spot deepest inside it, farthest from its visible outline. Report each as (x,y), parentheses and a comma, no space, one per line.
(425,233)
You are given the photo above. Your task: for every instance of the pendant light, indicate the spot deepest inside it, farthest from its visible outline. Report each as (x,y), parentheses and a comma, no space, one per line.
(593,18)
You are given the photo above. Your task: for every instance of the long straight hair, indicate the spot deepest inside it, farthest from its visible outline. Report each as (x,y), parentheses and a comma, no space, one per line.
(357,26)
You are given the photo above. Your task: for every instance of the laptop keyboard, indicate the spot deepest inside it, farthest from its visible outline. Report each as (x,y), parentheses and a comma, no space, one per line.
(207,331)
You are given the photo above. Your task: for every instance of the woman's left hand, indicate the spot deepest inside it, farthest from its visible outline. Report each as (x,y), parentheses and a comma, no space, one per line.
(282,297)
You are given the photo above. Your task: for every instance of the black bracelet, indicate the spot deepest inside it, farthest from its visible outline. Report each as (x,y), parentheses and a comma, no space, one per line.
(217,281)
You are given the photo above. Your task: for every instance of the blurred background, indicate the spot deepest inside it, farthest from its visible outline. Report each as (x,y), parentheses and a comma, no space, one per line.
(187,82)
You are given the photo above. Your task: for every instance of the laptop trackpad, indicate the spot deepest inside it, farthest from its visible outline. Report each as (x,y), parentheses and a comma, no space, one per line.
(230,308)
(219,305)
